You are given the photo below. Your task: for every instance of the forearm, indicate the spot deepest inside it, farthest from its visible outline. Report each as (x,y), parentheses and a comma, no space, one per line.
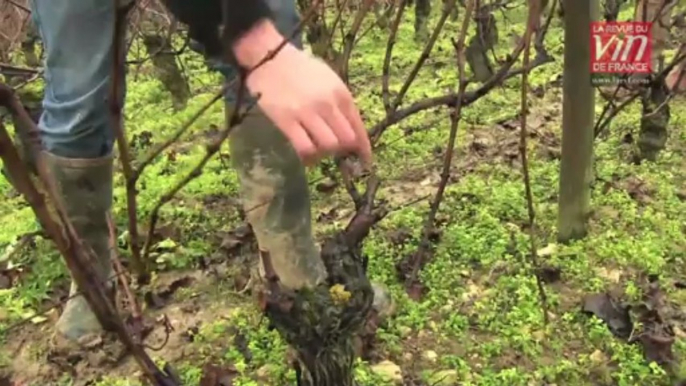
(253,46)
(248,32)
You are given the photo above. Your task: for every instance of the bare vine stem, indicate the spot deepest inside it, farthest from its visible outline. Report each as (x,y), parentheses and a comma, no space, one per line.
(419,258)
(451,99)
(386,77)
(349,39)
(447,9)
(116,95)
(120,272)
(534,15)
(337,21)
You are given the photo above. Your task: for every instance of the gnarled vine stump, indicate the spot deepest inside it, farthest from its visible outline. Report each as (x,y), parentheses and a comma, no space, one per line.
(320,323)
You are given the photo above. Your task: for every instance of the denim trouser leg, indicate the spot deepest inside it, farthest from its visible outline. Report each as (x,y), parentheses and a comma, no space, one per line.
(77,37)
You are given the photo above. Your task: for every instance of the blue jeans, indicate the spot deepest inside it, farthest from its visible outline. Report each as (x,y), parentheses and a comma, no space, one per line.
(78,44)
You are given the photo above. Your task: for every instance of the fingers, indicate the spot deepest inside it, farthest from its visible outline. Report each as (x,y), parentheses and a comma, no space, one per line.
(318,118)
(299,139)
(321,133)
(340,126)
(313,137)
(352,114)
(336,127)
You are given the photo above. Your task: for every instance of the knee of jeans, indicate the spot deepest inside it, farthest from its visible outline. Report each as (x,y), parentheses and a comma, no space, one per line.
(78,62)
(78,124)
(77,133)
(76,120)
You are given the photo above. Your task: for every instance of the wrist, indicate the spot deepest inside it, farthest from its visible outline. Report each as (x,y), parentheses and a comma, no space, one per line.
(256,44)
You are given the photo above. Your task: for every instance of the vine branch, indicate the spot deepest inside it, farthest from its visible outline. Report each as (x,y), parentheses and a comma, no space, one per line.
(534,16)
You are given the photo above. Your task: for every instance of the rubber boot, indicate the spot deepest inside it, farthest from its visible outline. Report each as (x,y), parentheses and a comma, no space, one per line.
(276,200)
(84,187)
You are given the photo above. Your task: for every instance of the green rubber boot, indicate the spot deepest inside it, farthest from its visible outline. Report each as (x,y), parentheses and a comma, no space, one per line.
(276,199)
(85,188)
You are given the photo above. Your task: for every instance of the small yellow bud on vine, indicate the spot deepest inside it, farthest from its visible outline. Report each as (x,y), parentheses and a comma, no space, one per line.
(339,295)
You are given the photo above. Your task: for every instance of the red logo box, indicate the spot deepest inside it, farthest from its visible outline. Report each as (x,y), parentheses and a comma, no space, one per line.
(621,47)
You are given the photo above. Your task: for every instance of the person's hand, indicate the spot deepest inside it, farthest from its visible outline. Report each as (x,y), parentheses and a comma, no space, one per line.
(304,98)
